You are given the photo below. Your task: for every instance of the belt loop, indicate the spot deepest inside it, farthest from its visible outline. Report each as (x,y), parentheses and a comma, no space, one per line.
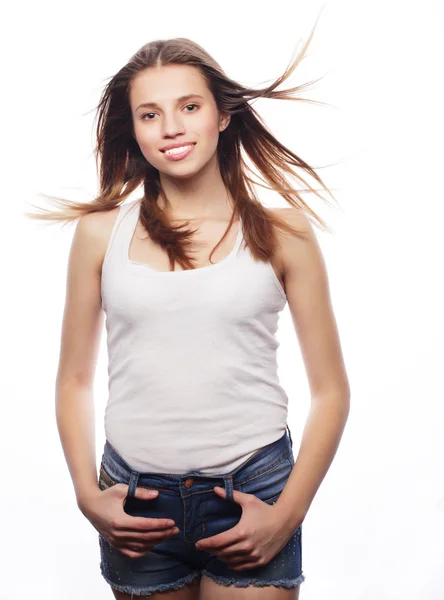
(289,434)
(134,477)
(228,480)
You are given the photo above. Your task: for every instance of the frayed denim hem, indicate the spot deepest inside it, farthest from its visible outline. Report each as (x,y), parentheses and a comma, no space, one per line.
(286,583)
(151,589)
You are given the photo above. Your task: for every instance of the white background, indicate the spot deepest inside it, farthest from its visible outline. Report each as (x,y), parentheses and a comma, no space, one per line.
(375,529)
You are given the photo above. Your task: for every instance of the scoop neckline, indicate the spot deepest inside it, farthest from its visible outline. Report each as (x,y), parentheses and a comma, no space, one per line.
(145,269)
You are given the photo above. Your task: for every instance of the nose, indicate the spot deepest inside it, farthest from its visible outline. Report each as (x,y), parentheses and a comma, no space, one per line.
(172,125)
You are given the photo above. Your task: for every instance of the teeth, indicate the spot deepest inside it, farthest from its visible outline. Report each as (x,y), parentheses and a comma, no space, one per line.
(177,150)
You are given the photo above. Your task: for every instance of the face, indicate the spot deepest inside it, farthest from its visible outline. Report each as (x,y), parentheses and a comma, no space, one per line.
(162,116)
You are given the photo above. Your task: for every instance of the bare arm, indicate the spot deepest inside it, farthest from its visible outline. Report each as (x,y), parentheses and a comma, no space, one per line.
(80,341)
(308,294)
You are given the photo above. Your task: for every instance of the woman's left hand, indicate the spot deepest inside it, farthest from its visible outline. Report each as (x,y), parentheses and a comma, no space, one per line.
(260,534)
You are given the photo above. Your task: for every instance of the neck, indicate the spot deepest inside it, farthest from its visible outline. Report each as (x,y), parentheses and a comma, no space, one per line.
(200,196)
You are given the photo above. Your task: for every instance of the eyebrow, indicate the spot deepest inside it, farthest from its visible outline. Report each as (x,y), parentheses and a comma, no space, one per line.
(181,99)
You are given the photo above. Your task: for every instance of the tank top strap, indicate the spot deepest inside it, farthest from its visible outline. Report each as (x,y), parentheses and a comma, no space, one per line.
(122,231)
(240,239)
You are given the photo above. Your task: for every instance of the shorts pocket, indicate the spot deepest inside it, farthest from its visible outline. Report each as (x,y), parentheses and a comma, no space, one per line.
(268,485)
(105,481)
(273,499)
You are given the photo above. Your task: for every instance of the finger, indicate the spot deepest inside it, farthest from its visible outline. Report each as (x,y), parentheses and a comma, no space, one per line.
(134,551)
(133,554)
(234,552)
(227,547)
(140,492)
(145,493)
(151,535)
(134,547)
(142,533)
(219,541)
(129,523)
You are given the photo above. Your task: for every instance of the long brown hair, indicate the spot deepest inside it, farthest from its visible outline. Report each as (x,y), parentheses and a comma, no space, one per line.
(122,167)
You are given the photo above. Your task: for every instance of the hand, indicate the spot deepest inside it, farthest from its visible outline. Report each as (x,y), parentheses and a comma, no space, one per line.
(133,536)
(255,540)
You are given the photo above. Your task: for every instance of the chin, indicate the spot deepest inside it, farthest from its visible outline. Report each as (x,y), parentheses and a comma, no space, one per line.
(185,175)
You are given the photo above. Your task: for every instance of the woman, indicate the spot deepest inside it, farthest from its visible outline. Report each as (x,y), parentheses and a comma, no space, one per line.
(199,494)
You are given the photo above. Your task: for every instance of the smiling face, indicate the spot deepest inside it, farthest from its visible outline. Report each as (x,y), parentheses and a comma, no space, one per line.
(172,105)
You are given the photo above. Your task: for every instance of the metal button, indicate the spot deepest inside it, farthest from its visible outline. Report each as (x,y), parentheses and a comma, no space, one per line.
(188,483)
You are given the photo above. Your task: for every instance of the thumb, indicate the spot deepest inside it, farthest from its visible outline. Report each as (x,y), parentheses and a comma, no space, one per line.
(145,494)
(238,497)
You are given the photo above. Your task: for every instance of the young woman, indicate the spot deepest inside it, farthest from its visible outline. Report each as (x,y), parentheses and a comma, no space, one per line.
(199,494)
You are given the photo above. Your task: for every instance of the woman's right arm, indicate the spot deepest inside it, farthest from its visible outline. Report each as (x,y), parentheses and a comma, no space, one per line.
(80,341)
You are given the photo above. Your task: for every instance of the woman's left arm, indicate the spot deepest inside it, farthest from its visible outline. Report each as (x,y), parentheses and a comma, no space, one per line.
(308,296)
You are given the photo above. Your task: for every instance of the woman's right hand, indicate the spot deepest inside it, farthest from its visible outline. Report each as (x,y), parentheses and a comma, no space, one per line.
(133,536)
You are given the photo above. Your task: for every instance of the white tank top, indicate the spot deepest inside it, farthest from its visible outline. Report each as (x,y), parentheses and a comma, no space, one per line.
(193,382)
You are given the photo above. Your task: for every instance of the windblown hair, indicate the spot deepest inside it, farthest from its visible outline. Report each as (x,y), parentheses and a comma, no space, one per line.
(122,167)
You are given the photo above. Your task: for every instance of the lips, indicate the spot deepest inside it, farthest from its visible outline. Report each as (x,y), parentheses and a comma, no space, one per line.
(180,155)
(171,146)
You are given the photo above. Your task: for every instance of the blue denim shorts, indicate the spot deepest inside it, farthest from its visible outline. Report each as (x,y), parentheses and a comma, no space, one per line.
(189,499)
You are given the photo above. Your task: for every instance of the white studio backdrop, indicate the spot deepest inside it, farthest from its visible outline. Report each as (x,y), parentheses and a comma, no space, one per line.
(375,529)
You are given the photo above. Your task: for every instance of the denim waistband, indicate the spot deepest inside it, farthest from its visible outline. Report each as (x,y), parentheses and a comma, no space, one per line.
(269,455)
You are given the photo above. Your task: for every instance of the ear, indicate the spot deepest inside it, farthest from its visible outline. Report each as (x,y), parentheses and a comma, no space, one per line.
(224,122)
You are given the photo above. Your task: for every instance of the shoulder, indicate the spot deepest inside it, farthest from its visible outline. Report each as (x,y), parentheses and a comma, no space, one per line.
(93,232)
(298,248)
(295,217)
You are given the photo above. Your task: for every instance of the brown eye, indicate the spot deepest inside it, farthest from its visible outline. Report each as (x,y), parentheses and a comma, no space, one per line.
(151,113)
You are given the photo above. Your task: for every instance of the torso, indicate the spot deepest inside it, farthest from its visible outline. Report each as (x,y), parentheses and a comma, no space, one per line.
(143,250)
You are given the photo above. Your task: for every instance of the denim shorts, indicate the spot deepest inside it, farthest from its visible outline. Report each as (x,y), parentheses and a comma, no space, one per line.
(189,499)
